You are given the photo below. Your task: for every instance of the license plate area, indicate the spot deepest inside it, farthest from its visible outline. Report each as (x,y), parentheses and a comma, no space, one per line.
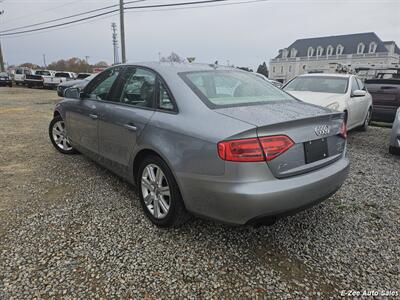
(316,150)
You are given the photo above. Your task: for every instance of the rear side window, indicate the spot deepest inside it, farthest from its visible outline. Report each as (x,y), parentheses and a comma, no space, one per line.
(164,99)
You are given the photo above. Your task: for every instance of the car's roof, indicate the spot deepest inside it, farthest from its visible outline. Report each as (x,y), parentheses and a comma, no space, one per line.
(180,67)
(326,75)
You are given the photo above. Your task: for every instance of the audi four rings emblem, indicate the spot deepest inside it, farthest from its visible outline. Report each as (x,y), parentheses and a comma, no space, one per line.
(322,130)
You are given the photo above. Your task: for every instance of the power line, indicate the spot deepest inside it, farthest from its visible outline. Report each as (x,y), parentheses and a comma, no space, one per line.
(114,12)
(68,17)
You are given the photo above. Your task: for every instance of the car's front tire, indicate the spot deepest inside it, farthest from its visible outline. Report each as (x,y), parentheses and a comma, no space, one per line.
(58,136)
(159,193)
(367,120)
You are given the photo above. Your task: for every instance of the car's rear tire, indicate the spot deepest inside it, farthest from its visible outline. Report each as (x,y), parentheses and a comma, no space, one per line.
(367,120)
(394,151)
(159,193)
(58,136)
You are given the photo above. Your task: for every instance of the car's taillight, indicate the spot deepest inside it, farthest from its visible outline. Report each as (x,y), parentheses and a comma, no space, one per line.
(275,145)
(241,150)
(254,149)
(343,130)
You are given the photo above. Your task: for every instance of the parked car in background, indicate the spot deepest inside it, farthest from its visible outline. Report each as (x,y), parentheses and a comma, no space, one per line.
(394,147)
(341,92)
(82,76)
(60,77)
(39,78)
(215,141)
(5,79)
(73,83)
(385,91)
(20,73)
(274,82)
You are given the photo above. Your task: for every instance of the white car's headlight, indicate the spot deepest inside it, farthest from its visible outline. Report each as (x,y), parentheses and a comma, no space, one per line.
(334,106)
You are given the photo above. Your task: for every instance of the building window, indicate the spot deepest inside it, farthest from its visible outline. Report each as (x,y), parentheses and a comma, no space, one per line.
(282,69)
(310,51)
(339,49)
(329,50)
(360,48)
(320,50)
(293,52)
(372,47)
(273,69)
(290,69)
(284,53)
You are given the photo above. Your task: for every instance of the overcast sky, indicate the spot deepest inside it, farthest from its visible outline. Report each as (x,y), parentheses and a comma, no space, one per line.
(245,34)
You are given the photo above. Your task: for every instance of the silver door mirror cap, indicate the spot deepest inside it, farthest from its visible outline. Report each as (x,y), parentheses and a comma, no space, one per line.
(358,93)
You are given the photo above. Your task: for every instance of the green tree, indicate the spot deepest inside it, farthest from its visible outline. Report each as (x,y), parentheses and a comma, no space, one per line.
(263,69)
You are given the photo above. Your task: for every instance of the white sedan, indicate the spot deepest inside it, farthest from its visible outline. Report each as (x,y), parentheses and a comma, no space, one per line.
(342,92)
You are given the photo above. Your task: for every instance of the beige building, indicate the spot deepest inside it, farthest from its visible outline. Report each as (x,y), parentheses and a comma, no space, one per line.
(327,54)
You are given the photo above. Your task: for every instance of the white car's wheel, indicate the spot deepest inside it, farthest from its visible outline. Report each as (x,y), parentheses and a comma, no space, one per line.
(367,120)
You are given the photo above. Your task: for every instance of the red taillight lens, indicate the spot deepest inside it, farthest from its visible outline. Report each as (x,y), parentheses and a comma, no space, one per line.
(254,149)
(343,130)
(241,150)
(275,145)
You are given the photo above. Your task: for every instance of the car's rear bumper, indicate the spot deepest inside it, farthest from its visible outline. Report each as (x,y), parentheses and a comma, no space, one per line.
(243,202)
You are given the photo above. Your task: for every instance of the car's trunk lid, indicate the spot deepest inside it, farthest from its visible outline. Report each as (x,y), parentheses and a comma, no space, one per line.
(303,123)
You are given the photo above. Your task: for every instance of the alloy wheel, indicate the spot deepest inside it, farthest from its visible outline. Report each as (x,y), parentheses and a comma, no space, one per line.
(59,136)
(155,191)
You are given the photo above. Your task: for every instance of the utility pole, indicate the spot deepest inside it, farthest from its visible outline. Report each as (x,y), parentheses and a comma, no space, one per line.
(44,61)
(115,42)
(1,52)
(122,29)
(87,63)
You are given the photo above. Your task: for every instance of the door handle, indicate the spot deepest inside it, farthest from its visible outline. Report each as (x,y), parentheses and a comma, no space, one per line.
(93,116)
(130,126)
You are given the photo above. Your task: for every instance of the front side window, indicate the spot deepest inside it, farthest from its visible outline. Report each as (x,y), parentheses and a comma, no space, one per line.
(139,87)
(354,85)
(319,84)
(232,88)
(360,84)
(101,86)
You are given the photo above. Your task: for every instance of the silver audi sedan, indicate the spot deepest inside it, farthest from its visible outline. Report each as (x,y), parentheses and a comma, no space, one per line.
(206,140)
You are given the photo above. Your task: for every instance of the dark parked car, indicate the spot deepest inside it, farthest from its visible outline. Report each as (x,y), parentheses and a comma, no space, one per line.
(214,141)
(394,147)
(73,83)
(385,92)
(5,79)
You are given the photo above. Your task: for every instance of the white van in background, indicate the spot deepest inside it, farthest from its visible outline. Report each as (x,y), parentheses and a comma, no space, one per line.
(20,74)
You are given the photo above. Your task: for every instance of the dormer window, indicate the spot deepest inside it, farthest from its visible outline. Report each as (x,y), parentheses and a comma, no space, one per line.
(293,52)
(339,49)
(310,51)
(360,48)
(329,50)
(284,53)
(372,47)
(320,50)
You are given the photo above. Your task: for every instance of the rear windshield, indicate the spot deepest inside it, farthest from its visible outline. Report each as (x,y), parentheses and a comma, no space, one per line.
(232,88)
(82,75)
(64,75)
(323,84)
(45,73)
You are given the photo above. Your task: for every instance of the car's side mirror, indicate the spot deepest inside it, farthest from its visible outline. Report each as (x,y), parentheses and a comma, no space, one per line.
(358,93)
(74,93)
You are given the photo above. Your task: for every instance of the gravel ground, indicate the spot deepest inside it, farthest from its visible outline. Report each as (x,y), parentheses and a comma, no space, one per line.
(70,229)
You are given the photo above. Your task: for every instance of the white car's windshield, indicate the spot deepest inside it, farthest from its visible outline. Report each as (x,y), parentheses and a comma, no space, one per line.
(321,84)
(232,88)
